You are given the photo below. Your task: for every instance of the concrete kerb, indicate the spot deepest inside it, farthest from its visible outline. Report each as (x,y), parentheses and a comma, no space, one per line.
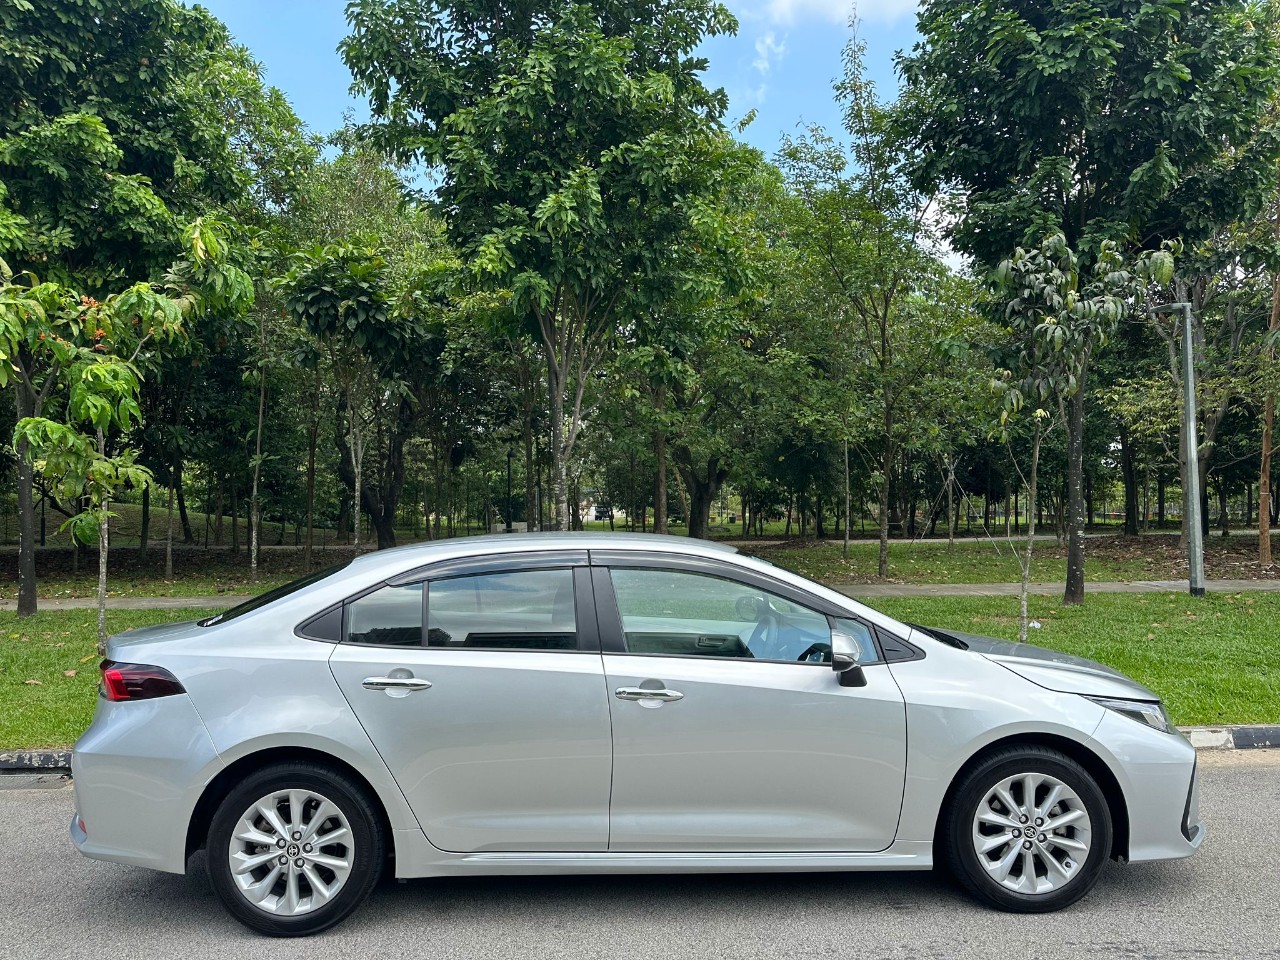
(1240,737)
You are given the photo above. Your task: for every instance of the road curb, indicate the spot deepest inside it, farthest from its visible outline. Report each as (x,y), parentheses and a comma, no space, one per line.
(36,761)
(1239,737)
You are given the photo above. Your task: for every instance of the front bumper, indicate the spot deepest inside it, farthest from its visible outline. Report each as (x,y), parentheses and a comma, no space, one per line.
(1158,776)
(138,772)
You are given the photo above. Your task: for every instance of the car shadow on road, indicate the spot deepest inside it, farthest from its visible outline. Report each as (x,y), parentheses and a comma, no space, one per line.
(473,906)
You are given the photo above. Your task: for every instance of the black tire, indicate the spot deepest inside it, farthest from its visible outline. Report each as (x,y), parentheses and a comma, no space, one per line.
(958,845)
(367,846)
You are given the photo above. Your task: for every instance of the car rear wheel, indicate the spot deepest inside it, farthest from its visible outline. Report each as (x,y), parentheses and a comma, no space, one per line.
(294,849)
(1028,830)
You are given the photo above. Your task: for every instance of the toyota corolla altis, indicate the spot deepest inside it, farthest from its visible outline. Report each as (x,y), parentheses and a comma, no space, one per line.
(578,703)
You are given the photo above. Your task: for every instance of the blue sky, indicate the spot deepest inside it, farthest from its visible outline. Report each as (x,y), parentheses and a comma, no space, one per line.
(781,63)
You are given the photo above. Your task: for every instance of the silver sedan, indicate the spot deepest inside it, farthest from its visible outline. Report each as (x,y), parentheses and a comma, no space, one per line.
(577,703)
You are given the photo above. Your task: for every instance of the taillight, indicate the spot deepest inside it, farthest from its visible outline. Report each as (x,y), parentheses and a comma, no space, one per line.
(137,681)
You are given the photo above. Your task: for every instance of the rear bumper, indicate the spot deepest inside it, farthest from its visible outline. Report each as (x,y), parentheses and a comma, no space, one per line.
(138,772)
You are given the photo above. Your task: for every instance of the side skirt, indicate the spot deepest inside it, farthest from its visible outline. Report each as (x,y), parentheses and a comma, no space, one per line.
(415,857)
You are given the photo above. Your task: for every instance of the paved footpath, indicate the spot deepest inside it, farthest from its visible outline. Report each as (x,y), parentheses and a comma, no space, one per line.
(1220,903)
(856,590)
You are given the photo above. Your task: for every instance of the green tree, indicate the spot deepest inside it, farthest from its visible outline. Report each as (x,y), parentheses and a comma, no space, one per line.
(120,123)
(1101,120)
(1057,315)
(864,234)
(79,453)
(576,142)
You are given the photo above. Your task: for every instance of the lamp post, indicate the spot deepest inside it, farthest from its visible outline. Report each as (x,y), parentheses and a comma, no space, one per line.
(1191,493)
(511,455)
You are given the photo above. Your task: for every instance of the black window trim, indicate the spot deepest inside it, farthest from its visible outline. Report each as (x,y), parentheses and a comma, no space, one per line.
(613,637)
(576,561)
(715,567)
(301,630)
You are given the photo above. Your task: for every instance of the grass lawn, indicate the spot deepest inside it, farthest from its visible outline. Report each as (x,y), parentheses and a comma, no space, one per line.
(209,573)
(1213,660)
(1106,559)
(49,671)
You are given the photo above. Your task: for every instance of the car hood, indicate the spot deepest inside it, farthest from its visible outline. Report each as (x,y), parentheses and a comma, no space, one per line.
(1056,670)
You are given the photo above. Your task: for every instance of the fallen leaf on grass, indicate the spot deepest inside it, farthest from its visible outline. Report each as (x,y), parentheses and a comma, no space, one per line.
(33,683)
(69,673)
(88,658)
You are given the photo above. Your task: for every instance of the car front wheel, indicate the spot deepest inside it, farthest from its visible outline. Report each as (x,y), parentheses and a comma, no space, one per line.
(294,849)
(1028,830)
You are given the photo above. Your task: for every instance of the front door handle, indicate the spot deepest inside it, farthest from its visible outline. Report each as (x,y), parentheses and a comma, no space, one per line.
(644,693)
(407,684)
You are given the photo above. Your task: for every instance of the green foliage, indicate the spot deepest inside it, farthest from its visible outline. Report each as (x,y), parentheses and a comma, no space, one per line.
(1097,119)
(576,139)
(1059,314)
(120,122)
(339,293)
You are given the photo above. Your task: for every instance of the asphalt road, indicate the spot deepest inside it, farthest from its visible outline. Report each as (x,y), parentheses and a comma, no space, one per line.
(1225,902)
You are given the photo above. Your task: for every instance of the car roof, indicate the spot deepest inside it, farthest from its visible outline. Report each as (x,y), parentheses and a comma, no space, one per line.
(403,557)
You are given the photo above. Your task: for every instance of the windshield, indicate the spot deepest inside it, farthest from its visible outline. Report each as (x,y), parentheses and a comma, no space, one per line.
(271,596)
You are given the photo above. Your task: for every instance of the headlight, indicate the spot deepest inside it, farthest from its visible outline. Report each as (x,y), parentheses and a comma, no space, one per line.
(1144,711)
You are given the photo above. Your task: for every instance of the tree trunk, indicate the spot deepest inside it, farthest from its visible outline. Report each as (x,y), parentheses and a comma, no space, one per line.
(703,487)
(660,455)
(700,501)
(951,522)
(187,536)
(848,502)
(1023,619)
(255,508)
(104,538)
(144,528)
(1264,485)
(235,519)
(886,469)
(1268,425)
(103,545)
(26,513)
(217,520)
(1129,473)
(168,540)
(357,508)
(313,436)
(1074,593)
(530,471)
(559,468)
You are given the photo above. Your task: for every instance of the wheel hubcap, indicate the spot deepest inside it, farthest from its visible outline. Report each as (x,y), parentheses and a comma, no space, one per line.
(1031,833)
(291,852)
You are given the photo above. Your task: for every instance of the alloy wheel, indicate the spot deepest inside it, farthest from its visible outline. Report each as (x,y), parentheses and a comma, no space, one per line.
(1031,833)
(291,852)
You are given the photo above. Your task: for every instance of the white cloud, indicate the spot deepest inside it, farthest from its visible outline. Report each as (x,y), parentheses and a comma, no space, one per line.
(769,50)
(839,11)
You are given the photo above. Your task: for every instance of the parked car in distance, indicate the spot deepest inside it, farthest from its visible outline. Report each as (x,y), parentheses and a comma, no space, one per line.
(609,703)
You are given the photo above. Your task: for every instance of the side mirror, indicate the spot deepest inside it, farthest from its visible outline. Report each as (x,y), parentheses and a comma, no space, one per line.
(844,661)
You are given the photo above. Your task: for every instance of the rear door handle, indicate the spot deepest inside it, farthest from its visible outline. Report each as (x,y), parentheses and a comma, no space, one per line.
(407,684)
(643,693)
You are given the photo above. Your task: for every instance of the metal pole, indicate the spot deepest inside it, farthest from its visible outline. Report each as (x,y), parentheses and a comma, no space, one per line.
(1195,535)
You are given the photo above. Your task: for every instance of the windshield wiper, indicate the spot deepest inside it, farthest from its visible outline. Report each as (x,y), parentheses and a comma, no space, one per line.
(946,638)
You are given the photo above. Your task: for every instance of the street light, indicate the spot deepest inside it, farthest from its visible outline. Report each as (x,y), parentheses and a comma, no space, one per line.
(1191,495)
(511,455)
